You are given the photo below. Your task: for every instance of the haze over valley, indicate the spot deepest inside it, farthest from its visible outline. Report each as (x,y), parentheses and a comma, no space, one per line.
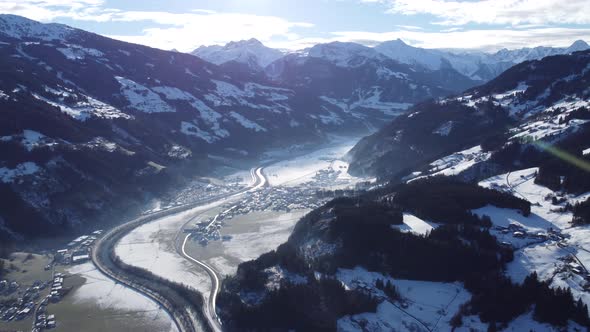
(307,177)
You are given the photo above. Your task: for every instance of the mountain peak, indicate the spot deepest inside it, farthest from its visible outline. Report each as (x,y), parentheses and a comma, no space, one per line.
(21,27)
(578,45)
(341,53)
(400,42)
(250,52)
(252,42)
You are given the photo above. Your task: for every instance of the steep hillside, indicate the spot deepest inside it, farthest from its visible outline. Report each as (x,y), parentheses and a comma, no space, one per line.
(91,126)
(408,257)
(542,101)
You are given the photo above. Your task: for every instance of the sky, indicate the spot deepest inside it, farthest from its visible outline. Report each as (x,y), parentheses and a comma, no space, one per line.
(296,24)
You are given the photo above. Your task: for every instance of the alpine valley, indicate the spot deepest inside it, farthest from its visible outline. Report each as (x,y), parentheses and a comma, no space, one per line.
(336,188)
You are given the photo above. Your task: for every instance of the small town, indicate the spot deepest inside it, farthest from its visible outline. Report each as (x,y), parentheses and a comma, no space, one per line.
(280,199)
(19,301)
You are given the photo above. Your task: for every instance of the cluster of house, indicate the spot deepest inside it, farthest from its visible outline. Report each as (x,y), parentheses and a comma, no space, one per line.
(206,231)
(8,287)
(77,251)
(43,321)
(278,199)
(519,232)
(22,306)
(17,311)
(57,289)
(26,305)
(199,190)
(572,264)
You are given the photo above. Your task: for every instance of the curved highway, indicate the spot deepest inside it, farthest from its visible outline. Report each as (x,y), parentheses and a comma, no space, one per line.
(258,181)
(103,258)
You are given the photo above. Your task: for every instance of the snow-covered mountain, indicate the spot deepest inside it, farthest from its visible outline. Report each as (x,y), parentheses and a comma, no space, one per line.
(344,54)
(251,52)
(404,53)
(476,65)
(543,100)
(157,116)
(525,134)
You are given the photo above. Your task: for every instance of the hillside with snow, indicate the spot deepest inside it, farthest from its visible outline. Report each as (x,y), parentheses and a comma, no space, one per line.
(543,100)
(159,116)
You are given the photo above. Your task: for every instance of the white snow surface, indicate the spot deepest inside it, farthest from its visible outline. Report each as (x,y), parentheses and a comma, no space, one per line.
(276,274)
(151,246)
(300,169)
(272,233)
(445,129)
(77,52)
(20,28)
(8,175)
(246,51)
(555,258)
(454,164)
(84,108)
(31,139)
(431,305)
(209,116)
(255,96)
(192,129)
(344,54)
(245,122)
(415,225)
(141,98)
(104,292)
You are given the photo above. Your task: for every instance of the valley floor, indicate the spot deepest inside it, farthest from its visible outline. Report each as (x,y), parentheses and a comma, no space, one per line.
(245,226)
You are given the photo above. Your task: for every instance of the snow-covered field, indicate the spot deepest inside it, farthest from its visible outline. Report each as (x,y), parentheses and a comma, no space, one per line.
(103,292)
(415,225)
(251,235)
(301,169)
(551,246)
(453,164)
(152,247)
(425,306)
(429,305)
(272,231)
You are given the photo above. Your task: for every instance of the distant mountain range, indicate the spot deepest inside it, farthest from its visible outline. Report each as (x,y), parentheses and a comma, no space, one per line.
(487,190)
(478,66)
(544,100)
(128,120)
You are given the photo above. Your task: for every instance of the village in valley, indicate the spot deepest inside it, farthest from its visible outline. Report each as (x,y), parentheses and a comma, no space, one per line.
(30,299)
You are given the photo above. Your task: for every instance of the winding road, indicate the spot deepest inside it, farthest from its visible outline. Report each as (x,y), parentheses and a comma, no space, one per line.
(102,257)
(258,181)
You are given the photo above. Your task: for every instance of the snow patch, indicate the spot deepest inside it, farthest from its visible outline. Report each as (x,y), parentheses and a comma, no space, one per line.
(84,107)
(191,129)
(246,123)
(8,175)
(415,225)
(445,129)
(141,98)
(77,52)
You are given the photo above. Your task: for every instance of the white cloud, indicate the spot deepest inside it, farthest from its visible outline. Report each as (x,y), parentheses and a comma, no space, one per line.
(474,39)
(166,30)
(49,10)
(511,12)
(189,31)
(525,23)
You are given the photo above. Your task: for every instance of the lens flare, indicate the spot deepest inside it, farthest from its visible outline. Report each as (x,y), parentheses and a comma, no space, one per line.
(563,155)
